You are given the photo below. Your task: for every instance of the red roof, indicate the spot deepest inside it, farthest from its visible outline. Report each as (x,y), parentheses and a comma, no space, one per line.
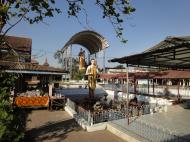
(172,74)
(118,75)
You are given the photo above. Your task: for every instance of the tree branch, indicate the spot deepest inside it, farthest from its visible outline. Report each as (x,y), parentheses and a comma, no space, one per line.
(1,39)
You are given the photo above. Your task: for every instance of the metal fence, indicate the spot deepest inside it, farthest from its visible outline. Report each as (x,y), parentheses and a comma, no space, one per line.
(184,91)
(108,115)
(119,117)
(71,104)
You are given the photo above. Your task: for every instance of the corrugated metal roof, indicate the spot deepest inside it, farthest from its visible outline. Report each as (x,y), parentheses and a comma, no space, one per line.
(91,40)
(172,53)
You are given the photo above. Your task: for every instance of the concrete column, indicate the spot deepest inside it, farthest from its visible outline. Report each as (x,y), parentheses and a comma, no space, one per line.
(135,83)
(122,83)
(148,86)
(183,82)
(153,86)
(178,84)
(50,89)
(170,82)
(113,84)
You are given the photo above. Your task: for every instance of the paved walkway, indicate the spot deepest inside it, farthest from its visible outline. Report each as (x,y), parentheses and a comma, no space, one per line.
(78,94)
(176,121)
(58,126)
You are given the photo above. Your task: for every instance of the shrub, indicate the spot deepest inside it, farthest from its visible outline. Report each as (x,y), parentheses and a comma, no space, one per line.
(10,119)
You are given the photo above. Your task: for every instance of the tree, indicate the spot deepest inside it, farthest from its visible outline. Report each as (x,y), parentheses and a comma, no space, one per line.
(76,73)
(35,11)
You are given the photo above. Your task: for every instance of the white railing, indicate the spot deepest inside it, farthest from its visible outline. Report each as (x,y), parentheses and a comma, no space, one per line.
(184,92)
(111,114)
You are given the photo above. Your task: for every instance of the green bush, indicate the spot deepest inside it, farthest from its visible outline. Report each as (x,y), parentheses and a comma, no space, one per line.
(78,75)
(10,119)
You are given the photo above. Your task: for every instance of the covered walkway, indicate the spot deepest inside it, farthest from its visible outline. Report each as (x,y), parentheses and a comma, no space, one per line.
(171,53)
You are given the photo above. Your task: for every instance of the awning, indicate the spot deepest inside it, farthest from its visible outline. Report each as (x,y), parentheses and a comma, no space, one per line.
(172,53)
(35,72)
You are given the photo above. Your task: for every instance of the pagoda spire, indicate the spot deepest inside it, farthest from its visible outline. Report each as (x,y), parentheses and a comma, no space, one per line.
(46,62)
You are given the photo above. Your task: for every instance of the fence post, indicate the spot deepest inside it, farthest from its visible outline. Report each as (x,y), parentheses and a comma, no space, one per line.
(92,120)
(89,118)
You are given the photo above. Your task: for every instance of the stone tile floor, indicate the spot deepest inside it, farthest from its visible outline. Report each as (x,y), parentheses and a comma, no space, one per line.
(58,126)
(175,121)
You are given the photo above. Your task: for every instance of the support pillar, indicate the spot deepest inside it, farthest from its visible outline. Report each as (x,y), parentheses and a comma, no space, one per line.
(153,86)
(122,83)
(183,82)
(50,89)
(178,85)
(113,84)
(127,74)
(135,85)
(148,86)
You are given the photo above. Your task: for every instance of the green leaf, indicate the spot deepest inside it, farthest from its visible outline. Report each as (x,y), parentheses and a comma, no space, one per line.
(17,5)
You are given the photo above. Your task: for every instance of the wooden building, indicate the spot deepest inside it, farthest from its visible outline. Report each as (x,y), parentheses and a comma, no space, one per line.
(15,57)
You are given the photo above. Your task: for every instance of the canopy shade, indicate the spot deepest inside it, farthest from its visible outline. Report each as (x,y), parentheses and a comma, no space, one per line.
(91,40)
(172,53)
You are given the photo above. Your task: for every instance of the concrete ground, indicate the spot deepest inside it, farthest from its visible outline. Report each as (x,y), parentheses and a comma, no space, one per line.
(175,121)
(58,126)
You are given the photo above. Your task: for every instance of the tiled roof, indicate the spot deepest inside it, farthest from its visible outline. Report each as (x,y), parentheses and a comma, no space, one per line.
(18,43)
(118,75)
(172,74)
(28,67)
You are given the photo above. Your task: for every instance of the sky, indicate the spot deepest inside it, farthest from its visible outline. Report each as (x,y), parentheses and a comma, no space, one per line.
(151,23)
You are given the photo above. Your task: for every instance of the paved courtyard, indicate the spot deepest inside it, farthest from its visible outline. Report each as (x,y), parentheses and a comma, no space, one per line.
(58,126)
(157,126)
